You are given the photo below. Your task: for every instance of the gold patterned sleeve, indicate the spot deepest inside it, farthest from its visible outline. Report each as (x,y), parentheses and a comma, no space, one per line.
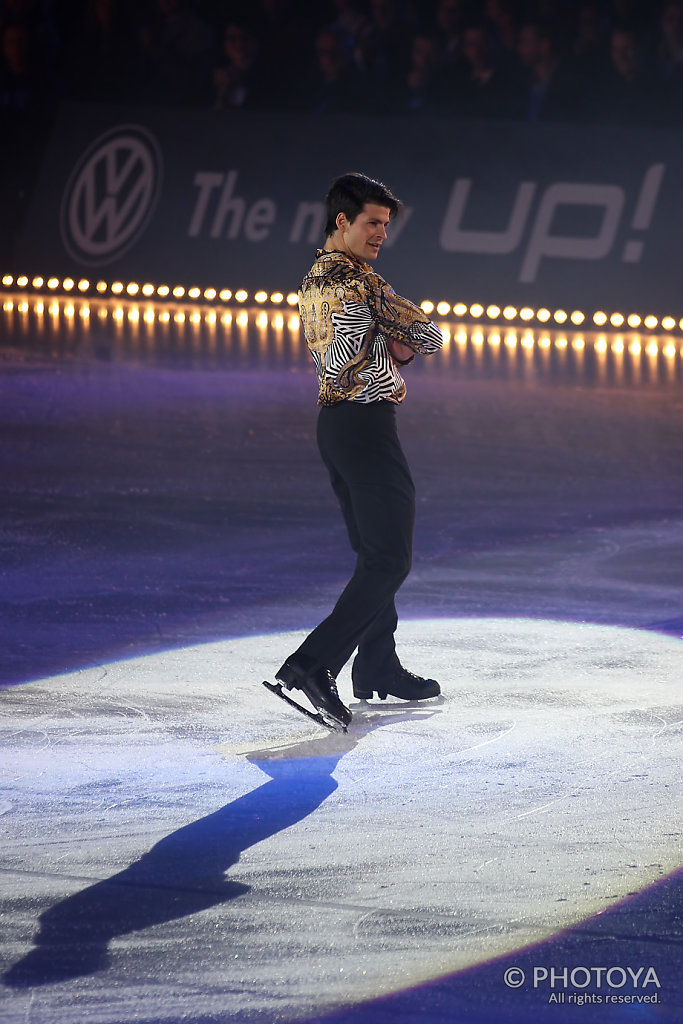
(398,318)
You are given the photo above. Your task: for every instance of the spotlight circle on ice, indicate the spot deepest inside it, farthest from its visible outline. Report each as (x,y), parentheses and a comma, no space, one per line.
(532,795)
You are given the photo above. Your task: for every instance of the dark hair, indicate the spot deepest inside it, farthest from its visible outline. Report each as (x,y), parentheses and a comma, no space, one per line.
(349,193)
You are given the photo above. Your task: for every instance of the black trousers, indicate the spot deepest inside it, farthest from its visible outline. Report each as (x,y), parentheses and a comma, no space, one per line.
(370,476)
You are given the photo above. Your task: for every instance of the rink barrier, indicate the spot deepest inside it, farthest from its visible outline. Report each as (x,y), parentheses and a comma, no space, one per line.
(573,218)
(490,313)
(254,336)
(225,296)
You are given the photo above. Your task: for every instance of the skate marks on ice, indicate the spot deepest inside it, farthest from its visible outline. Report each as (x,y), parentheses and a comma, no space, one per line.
(163,815)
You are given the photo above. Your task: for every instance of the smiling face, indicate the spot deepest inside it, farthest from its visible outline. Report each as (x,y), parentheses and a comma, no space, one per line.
(362,237)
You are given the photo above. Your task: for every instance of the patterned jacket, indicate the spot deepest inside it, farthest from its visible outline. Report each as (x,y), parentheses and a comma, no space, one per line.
(348,313)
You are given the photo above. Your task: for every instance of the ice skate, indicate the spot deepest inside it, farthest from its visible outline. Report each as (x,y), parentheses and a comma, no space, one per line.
(398,682)
(320,687)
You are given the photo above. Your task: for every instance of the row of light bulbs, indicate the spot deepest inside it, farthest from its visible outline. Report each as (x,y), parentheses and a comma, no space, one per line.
(476,311)
(544,316)
(149,291)
(510,339)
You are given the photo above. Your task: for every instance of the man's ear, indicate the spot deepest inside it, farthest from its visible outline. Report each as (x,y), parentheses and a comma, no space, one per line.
(342,221)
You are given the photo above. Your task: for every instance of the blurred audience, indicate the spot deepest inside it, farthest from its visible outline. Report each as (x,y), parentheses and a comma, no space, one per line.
(486,86)
(553,89)
(615,61)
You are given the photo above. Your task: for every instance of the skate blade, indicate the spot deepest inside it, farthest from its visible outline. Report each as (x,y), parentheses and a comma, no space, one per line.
(329,721)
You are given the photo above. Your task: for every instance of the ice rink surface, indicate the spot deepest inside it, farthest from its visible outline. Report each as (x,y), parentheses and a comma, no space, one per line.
(177,845)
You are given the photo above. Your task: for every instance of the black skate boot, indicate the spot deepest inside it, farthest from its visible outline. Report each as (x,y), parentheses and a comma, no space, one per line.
(398,682)
(320,686)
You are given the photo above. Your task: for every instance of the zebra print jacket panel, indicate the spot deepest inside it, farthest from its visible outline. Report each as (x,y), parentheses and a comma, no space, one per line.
(348,313)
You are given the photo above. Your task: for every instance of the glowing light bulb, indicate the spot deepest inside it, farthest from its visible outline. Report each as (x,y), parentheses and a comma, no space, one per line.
(427,306)
(668,323)
(577,317)
(68,283)
(22,281)
(493,312)
(8,280)
(526,313)
(225,295)
(443,308)
(241,295)
(194,293)
(178,292)
(600,318)
(560,316)
(277,298)
(210,294)
(163,291)
(459,308)
(101,287)
(83,285)
(292,299)
(37,282)
(261,296)
(53,282)
(476,310)
(132,288)
(543,315)
(117,287)
(510,313)
(650,322)
(634,320)
(616,319)
(148,290)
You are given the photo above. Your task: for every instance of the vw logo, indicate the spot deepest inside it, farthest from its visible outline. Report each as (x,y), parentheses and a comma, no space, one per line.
(111,195)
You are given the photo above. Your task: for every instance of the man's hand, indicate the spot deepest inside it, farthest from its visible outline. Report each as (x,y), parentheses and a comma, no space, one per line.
(399,352)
